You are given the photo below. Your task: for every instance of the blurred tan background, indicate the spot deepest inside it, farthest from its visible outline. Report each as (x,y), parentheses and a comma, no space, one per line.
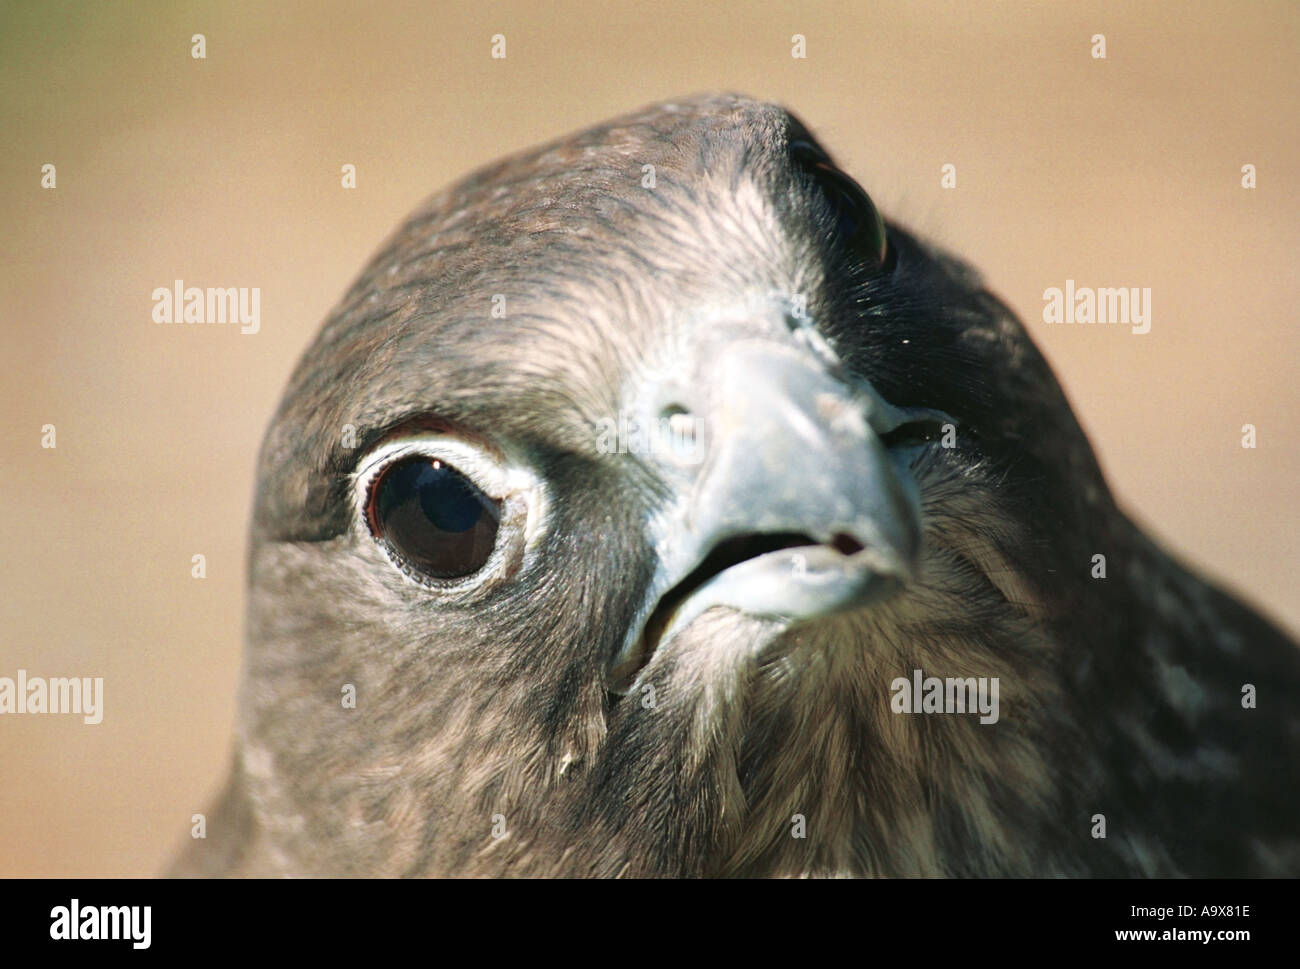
(226,172)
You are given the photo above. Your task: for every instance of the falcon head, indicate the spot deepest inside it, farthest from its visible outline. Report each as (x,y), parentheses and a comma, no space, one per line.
(601,515)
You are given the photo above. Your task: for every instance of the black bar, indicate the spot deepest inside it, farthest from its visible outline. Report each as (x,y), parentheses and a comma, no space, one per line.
(930,920)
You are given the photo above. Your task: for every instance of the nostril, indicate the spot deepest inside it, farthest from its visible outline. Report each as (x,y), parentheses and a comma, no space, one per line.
(680,432)
(846,544)
(681,423)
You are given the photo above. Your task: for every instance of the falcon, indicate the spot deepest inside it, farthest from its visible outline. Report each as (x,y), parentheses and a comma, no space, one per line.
(651,506)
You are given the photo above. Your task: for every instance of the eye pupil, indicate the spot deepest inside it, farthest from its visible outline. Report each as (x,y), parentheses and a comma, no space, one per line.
(857,222)
(449,501)
(433,517)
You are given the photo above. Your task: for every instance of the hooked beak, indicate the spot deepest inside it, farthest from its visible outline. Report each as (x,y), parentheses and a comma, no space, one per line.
(796,508)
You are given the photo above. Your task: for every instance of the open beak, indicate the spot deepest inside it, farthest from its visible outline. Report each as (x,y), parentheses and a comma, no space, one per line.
(796,509)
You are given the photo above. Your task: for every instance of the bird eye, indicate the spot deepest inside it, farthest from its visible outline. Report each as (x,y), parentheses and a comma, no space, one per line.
(433,517)
(855,220)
